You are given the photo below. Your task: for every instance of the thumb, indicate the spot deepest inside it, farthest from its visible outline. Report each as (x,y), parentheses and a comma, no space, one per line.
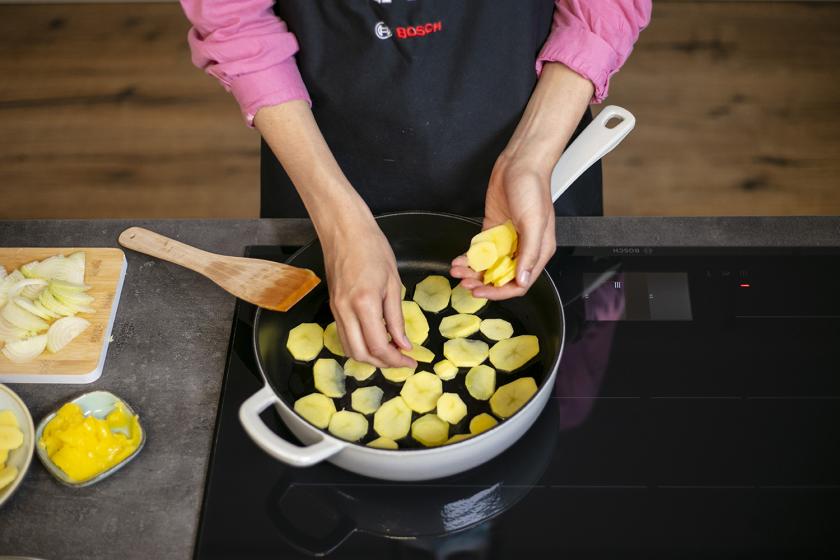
(530,240)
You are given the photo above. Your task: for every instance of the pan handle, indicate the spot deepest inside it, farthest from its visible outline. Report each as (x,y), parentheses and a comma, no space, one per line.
(592,144)
(274,445)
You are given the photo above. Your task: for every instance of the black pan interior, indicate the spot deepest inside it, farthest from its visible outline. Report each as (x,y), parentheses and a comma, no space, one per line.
(424,243)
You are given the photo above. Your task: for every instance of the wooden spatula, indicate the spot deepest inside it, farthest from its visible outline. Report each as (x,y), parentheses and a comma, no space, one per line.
(264,283)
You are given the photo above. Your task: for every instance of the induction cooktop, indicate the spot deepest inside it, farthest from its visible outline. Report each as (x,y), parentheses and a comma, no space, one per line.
(696,413)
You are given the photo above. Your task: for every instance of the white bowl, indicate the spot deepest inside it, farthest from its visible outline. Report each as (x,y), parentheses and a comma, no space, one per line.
(22,456)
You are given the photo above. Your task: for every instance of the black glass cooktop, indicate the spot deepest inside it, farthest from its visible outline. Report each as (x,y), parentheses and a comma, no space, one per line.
(696,414)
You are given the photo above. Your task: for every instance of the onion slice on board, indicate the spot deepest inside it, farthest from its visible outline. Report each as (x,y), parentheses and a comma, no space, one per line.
(63,331)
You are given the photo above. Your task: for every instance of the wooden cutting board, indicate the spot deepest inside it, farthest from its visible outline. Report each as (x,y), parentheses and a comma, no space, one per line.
(80,361)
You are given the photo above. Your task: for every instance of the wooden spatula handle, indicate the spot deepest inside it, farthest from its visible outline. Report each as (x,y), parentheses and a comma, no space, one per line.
(156,245)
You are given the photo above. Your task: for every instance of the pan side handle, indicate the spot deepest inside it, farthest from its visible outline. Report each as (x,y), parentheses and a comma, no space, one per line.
(274,445)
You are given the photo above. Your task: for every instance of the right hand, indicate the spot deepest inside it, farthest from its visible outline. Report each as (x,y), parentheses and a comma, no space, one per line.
(365,288)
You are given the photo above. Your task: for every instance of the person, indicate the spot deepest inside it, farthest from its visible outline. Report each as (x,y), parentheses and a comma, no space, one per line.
(374,106)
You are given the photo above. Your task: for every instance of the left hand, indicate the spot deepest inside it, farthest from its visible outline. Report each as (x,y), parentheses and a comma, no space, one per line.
(519,190)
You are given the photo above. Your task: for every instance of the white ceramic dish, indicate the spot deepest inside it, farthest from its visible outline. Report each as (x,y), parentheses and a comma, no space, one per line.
(22,456)
(99,404)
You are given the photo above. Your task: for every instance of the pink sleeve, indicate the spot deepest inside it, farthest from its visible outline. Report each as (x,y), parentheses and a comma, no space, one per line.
(594,37)
(248,49)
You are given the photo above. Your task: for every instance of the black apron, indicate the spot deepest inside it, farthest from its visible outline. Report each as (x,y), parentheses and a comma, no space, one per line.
(417,98)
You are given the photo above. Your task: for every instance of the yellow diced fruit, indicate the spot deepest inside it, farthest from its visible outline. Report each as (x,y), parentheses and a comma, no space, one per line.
(7,476)
(510,397)
(316,408)
(458,437)
(383,443)
(416,325)
(348,425)
(482,255)
(513,353)
(332,341)
(329,377)
(360,371)
(12,438)
(465,352)
(393,419)
(421,391)
(451,407)
(481,382)
(419,353)
(429,430)
(366,399)
(8,418)
(464,302)
(432,293)
(503,236)
(446,370)
(503,267)
(496,329)
(305,341)
(459,326)
(397,374)
(482,423)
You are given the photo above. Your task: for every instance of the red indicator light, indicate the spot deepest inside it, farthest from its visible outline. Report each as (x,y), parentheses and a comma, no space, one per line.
(744,285)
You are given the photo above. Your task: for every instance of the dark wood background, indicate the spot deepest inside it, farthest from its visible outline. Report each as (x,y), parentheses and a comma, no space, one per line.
(103,115)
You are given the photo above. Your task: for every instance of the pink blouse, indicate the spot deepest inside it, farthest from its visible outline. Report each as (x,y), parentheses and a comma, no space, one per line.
(251,51)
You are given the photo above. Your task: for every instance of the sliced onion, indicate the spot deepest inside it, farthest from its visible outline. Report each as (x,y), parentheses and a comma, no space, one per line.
(40,306)
(2,272)
(48,300)
(11,333)
(22,318)
(27,305)
(18,287)
(76,273)
(63,331)
(26,350)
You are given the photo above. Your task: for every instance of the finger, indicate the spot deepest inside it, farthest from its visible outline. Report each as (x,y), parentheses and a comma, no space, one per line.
(369,313)
(392,307)
(460,260)
(339,327)
(471,283)
(355,341)
(508,291)
(530,245)
(463,272)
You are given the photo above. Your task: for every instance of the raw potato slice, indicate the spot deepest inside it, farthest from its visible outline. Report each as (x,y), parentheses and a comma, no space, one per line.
(482,423)
(316,408)
(502,267)
(11,437)
(402,296)
(4,456)
(508,277)
(503,236)
(358,370)
(366,399)
(305,341)
(451,408)
(329,377)
(7,476)
(509,398)
(8,418)
(383,443)
(397,374)
(464,302)
(513,353)
(393,419)
(465,352)
(331,340)
(446,370)
(432,293)
(459,326)
(429,430)
(420,353)
(421,391)
(416,325)
(496,329)
(481,382)
(348,425)
(482,255)
(458,437)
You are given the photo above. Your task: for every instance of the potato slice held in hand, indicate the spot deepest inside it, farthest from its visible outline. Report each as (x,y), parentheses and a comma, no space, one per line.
(366,399)
(421,391)
(383,443)
(397,374)
(482,255)
(482,423)
(510,397)
(465,352)
(503,236)
(446,370)
(513,353)
(329,377)
(416,325)
(393,419)
(402,296)
(481,382)
(332,341)
(464,302)
(429,430)
(348,425)
(432,293)
(420,353)
(359,371)
(496,329)
(305,341)
(316,408)
(503,267)
(451,407)
(459,326)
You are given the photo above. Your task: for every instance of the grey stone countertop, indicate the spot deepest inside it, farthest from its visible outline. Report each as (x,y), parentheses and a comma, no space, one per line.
(168,356)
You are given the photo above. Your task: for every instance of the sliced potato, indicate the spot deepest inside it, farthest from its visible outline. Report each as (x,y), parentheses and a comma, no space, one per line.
(496,329)
(416,325)
(332,341)
(502,267)
(402,296)
(481,382)
(506,277)
(366,399)
(305,341)
(11,437)
(348,425)
(360,371)
(432,293)
(397,374)
(421,391)
(510,397)
(393,419)
(429,430)
(465,352)
(464,302)
(4,455)
(446,370)
(458,437)
(481,423)
(482,255)
(513,353)
(459,326)
(383,443)
(8,418)
(451,407)
(8,475)
(329,377)
(503,236)
(419,353)
(316,408)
